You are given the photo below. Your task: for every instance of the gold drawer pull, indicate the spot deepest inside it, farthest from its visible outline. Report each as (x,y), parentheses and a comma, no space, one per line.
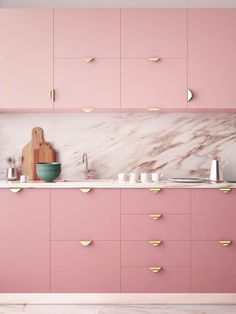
(225,242)
(155,216)
(86,242)
(85,190)
(155,190)
(153,109)
(155,269)
(153,59)
(51,94)
(155,242)
(88,59)
(15,190)
(87,109)
(225,190)
(190,94)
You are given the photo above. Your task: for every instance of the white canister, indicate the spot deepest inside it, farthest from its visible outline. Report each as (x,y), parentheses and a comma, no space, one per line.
(133,177)
(156,177)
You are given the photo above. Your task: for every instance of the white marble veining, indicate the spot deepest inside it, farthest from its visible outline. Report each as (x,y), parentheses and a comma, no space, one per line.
(177,144)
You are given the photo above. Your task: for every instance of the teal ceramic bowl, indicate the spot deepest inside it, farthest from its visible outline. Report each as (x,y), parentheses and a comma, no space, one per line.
(48,171)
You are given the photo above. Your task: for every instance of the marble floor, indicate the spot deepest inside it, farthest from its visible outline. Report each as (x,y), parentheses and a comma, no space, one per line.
(117,309)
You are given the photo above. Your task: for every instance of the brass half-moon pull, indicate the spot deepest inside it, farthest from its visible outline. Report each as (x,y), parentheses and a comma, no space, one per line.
(190,94)
(155,269)
(155,190)
(154,59)
(225,242)
(153,109)
(155,216)
(155,242)
(85,190)
(88,59)
(87,109)
(15,190)
(86,242)
(225,190)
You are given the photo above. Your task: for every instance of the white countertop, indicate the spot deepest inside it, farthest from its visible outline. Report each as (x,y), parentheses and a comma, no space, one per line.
(110,184)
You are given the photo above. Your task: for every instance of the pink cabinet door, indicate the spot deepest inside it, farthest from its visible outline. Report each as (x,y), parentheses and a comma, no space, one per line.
(211,58)
(144,253)
(213,267)
(82,33)
(154,32)
(78,216)
(79,84)
(142,279)
(94,268)
(26,58)
(25,241)
(147,84)
(143,201)
(213,214)
(144,227)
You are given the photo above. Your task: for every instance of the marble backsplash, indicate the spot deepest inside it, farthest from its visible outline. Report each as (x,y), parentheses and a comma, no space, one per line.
(177,144)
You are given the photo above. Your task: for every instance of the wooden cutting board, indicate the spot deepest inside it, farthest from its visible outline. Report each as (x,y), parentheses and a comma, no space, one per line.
(37,150)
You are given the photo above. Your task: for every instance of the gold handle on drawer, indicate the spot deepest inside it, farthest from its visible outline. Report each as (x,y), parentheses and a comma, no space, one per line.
(225,242)
(51,94)
(154,59)
(86,242)
(155,269)
(153,109)
(190,94)
(85,190)
(155,242)
(88,59)
(15,190)
(155,190)
(87,109)
(155,216)
(225,190)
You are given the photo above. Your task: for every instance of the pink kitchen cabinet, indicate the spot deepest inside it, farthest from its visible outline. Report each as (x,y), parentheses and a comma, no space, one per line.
(154,33)
(26,59)
(211,58)
(25,241)
(82,33)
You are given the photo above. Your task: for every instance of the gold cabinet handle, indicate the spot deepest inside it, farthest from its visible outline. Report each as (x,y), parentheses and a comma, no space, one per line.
(225,242)
(155,269)
(86,242)
(155,216)
(15,190)
(51,94)
(153,109)
(155,242)
(88,59)
(154,59)
(87,109)
(155,190)
(190,94)
(225,190)
(85,190)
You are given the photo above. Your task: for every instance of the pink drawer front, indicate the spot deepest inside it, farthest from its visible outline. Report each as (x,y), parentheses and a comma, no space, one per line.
(78,268)
(144,253)
(142,227)
(92,215)
(143,201)
(213,214)
(142,279)
(213,267)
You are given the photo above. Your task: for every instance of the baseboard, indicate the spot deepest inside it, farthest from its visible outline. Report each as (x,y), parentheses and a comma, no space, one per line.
(117,298)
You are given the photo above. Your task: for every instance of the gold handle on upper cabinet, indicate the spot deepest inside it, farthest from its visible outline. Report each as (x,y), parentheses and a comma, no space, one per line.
(190,94)
(51,94)
(155,269)
(155,242)
(87,109)
(225,190)
(155,216)
(85,190)
(88,59)
(15,190)
(154,59)
(225,242)
(153,109)
(155,190)
(86,242)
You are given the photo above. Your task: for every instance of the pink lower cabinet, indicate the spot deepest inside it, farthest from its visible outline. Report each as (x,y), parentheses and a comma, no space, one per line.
(91,268)
(25,241)
(213,267)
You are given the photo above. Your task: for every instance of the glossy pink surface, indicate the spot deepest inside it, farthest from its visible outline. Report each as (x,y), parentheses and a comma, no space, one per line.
(94,215)
(141,279)
(95,268)
(143,201)
(79,84)
(154,32)
(26,58)
(25,241)
(213,267)
(211,57)
(142,253)
(87,33)
(213,215)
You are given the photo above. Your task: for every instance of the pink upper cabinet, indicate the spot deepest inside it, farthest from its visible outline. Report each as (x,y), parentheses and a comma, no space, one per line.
(26,58)
(212,62)
(154,32)
(82,33)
